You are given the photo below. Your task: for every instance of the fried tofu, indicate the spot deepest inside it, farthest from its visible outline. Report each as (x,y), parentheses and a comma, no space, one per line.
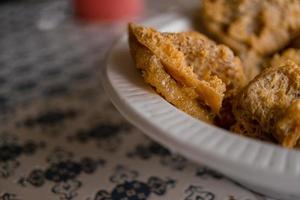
(211,91)
(289,54)
(186,58)
(250,130)
(153,72)
(287,128)
(207,58)
(263,102)
(253,28)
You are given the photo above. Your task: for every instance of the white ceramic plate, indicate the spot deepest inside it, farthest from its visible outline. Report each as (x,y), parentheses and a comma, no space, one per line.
(265,168)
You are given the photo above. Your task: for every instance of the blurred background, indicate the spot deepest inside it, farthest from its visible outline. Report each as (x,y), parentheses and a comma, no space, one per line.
(46,45)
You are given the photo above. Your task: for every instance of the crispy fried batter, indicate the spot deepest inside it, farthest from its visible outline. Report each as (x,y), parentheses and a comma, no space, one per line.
(252,131)
(261,104)
(195,61)
(253,28)
(252,63)
(264,26)
(183,97)
(289,54)
(211,91)
(207,58)
(288,126)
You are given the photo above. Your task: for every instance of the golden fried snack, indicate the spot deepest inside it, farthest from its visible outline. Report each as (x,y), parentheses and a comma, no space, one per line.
(252,63)
(211,91)
(288,126)
(253,28)
(264,100)
(252,131)
(183,97)
(188,59)
(207,58)
(289,54)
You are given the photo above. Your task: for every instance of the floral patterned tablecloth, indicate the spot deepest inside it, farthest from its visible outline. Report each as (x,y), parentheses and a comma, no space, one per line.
(61,138)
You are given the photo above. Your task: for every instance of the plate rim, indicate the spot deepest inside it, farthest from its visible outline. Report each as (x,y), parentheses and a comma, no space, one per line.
(253,171)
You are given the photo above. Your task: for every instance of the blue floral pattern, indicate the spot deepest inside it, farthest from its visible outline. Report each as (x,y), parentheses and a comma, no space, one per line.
(107,136)
(11,150)
(50,118)
(63,172)
(130,189)
(198,193)
(9,196)
(205,172)
(153,149)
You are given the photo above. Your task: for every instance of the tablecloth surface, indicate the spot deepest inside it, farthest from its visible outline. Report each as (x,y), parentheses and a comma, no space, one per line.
(60,137)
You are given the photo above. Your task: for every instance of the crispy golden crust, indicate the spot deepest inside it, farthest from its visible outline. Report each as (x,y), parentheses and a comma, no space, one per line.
(253,28)
(264,26)
(252,131)
(207,58)
(210,91)
(252,63)
(288,126)
(289,54)
(183,97)
(195,61)
(265,99)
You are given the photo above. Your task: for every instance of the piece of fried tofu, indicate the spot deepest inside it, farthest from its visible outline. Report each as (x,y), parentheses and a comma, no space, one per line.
(288,54)
(287,128)
(264,101)
(208,71)
(154,73)
(253,28)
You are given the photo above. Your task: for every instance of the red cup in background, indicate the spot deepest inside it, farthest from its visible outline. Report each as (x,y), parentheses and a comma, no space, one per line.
(108,10)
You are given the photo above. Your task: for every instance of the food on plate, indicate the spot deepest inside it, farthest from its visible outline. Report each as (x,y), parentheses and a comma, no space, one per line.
(254,94)
(183,97)
(287,129)
(289,54)
(252,62)
(264,101)
(210,71)
(253,28)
